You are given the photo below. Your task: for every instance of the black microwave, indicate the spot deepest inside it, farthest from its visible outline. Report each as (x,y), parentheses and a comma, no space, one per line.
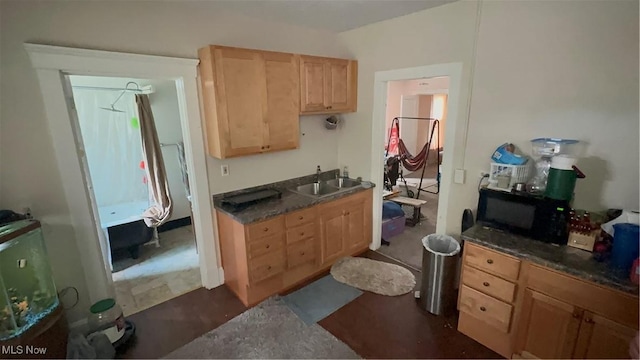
(537,217)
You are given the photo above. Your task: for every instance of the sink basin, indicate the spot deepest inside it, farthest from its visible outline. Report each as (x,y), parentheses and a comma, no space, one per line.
(316,189)
(343,183)
(326,188)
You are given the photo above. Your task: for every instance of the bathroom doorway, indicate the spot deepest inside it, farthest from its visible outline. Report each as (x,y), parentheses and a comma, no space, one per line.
(148,265)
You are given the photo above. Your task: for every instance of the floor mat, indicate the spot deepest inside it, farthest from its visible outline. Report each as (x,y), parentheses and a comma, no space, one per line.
(267,331)
(376,276)
(320,299)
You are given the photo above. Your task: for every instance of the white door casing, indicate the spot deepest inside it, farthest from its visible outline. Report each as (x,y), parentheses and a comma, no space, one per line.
(52,63)
(451,137)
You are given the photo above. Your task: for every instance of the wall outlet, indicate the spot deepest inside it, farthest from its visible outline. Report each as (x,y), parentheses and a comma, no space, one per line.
(224,169)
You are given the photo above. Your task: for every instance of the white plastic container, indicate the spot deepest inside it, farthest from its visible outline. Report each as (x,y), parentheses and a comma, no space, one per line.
(516,174)
(107,318)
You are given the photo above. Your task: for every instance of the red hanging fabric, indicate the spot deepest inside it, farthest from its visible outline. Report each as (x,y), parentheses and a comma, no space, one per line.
(411,162)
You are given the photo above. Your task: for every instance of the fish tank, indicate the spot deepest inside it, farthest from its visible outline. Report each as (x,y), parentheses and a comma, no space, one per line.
(27,292)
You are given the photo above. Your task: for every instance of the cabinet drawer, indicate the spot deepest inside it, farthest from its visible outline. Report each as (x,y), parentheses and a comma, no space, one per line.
(301,253)
(488,284)
(300,233)
(266,266)
(492,262)
(491,311)
(265,245)
(300,217)
(265,228)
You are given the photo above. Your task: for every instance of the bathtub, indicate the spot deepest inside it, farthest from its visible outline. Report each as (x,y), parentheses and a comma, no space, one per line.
(119,217)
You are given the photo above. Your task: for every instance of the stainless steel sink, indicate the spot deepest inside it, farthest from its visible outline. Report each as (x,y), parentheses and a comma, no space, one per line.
(316,189)
(343,183)
(326,188)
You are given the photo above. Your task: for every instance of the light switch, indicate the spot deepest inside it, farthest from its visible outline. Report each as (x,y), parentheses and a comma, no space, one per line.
(458,177)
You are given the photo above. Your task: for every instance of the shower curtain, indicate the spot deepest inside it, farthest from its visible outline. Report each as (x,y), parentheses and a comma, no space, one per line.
(112,147)
(160,208)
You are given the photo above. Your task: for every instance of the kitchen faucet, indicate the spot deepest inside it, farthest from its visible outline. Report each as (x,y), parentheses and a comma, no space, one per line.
(318,171)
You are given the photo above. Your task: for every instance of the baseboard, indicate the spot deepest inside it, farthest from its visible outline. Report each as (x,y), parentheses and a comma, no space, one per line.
(174,224)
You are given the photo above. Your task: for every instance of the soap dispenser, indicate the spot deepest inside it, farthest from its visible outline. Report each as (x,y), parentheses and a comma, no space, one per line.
(345,173)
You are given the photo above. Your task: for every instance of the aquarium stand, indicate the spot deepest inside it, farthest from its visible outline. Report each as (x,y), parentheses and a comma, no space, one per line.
(50,333)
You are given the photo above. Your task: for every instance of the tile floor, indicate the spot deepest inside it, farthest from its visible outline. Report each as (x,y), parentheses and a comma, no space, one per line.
(159,274)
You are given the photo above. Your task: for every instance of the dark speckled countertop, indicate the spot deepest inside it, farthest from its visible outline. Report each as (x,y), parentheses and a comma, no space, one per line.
(566,259)
(288,202)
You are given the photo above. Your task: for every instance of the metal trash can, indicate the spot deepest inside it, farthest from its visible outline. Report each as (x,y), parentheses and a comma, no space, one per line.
(439,266)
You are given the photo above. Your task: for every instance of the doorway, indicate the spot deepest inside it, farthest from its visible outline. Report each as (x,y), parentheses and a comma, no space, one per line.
(148,265)
(415,114)
(52,65)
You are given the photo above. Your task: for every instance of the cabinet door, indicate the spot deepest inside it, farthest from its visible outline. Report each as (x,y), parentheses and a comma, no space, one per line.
(601,338)
(312,84)
(281,121)
(548,327)
(356,225)
(240,83)
(332,234)
(338,85)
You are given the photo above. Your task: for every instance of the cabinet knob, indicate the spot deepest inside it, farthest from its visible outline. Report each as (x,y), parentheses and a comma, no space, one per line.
(329,107)
(588,320)
(266,229)
(301,217)
(485,283)
(262,147)
(482,308)
(268,246)
(269,267)
(576,315)
(268,146)
(301,234)
(489,261)
(302,253)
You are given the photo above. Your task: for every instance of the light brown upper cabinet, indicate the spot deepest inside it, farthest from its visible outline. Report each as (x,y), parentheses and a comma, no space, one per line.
(327,85)
(249,99)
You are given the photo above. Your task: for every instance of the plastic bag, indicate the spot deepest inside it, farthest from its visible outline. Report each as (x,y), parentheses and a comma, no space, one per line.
(439,244)
(627,216)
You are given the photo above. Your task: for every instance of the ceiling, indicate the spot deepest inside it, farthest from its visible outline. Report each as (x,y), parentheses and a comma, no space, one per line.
(332,15)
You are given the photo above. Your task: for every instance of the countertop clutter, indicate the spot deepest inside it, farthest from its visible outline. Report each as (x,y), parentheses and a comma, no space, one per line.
(289,201)
(565,259)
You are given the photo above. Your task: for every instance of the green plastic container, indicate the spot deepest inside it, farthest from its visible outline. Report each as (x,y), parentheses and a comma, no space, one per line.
(562,178)
(560,184)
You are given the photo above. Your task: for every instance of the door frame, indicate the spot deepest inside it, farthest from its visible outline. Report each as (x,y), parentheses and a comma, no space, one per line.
(451,137)
(52,65)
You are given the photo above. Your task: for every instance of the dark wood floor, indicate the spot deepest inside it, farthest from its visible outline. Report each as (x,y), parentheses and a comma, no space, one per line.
(375,326)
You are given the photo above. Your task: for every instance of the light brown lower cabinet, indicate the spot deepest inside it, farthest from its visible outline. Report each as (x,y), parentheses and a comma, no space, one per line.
(267,257)
(549,327)
(555,316)
(552,329)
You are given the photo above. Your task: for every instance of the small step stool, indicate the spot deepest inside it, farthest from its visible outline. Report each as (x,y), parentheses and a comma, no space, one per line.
(415,203)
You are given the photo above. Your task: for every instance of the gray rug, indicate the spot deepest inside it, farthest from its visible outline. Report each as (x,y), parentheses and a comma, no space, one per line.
(375,276)
(268,331)
(320,299)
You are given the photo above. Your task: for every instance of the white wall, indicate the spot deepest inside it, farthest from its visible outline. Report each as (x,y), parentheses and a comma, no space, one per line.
(29,175)
(561,69)
(443,34)
(554,68)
